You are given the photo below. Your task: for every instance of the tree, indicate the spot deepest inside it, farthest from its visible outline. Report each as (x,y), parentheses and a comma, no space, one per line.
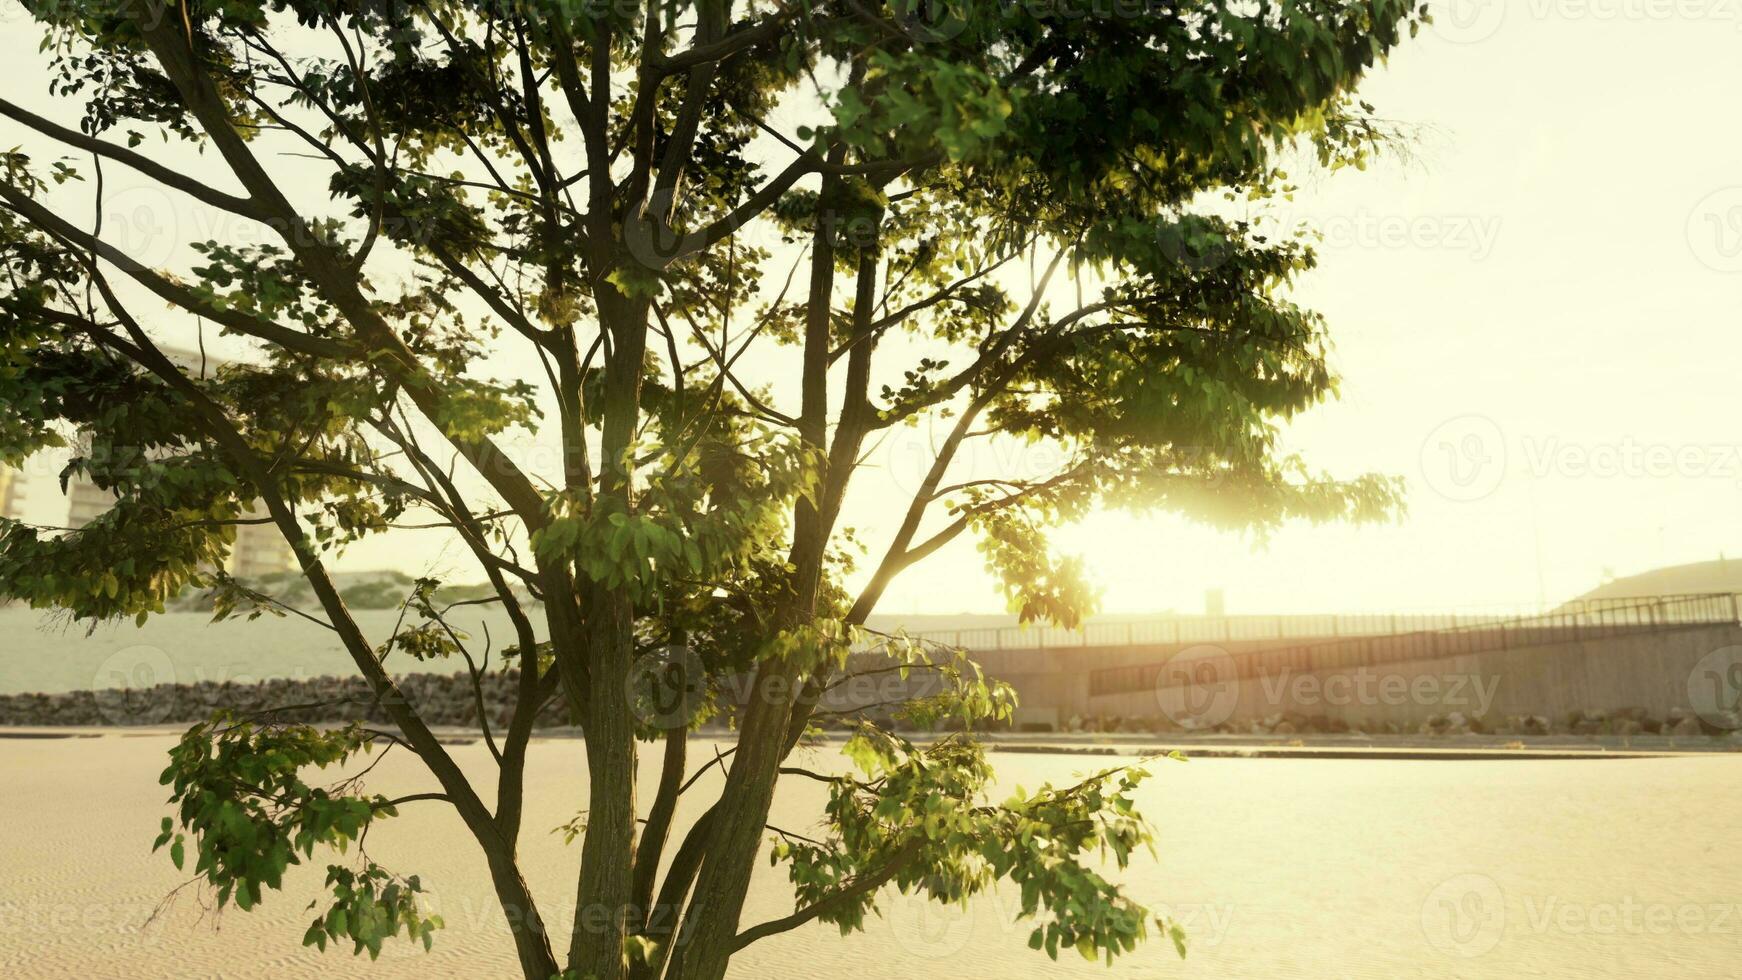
(641,194)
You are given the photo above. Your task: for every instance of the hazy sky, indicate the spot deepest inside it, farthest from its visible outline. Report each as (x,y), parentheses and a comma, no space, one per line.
(1535,318)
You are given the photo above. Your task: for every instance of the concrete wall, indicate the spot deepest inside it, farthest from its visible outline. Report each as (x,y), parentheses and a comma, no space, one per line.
(1055,682)
(1663,672)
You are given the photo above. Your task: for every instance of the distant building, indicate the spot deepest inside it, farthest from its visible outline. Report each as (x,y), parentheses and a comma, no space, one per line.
(86,501)
(11,493)
(259,550)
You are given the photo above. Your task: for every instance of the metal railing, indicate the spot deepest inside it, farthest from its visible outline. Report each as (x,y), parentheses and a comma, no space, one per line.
(1213,629)
(1583,620)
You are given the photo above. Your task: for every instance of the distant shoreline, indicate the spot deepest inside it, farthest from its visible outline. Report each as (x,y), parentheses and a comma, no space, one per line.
(1465,748)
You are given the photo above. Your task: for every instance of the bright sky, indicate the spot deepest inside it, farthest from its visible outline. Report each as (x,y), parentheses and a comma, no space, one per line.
(1536,322)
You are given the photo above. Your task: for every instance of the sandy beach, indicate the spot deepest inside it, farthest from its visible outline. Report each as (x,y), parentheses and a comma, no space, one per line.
(1281,868)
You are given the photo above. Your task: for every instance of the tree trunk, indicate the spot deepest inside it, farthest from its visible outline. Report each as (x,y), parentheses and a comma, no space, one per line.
(739,820)
(604,914)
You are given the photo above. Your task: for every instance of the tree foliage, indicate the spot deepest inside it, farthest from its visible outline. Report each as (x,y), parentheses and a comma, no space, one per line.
(738,244)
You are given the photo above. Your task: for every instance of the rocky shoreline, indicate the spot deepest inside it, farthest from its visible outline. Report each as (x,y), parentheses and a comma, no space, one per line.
(449,700)
(441,699)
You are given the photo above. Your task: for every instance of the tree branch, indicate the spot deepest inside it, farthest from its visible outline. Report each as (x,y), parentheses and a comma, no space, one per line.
(145,165)
(860,885)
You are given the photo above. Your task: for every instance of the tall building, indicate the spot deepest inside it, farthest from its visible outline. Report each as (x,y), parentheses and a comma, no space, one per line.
(259,549)
(85,500)
(11,493)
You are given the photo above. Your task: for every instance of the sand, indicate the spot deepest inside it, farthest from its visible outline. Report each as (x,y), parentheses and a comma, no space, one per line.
(1280,868)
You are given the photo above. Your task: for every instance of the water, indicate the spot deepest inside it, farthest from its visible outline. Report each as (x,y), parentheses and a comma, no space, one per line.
(42,652)
(1285,869)
(39,652)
